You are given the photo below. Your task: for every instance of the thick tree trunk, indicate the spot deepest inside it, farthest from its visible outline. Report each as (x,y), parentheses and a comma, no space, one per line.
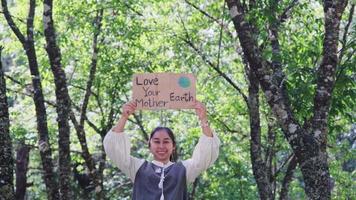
(308,144)
(62,100)
(313,159)
(38,98)
(22,158)
(6,159)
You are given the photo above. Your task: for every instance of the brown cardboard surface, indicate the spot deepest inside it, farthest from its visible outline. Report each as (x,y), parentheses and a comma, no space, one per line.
(164,90)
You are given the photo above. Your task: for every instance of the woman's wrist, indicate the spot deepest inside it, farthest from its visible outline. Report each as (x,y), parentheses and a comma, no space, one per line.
(204,123)
(119,127)
(124,117)
(203,119)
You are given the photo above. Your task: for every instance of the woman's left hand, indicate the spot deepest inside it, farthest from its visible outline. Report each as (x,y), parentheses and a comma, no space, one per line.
(200,110)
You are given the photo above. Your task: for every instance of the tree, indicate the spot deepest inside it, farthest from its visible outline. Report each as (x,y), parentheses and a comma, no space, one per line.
(62,100)
(22,159)
(6,159)
(308,142)
(102,44)
(38,98)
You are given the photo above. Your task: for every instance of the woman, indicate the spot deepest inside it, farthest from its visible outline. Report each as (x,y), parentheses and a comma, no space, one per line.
(162,178)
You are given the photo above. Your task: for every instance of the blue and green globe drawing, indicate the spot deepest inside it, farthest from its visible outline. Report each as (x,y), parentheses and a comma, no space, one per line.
(184,82)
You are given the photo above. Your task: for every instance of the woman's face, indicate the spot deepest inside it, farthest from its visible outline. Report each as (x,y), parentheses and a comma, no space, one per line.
(161,146)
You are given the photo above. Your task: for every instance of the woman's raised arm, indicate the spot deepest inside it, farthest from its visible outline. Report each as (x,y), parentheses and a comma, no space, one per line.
(206,151)
(117,145)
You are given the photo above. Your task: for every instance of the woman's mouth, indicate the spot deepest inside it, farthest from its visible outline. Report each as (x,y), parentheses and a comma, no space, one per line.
(161,152)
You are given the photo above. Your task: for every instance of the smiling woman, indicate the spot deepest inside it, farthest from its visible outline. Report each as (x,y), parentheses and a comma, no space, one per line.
(164,177)
(162,144)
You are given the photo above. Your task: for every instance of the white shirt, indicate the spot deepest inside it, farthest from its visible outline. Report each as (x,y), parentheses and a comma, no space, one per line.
(118,147)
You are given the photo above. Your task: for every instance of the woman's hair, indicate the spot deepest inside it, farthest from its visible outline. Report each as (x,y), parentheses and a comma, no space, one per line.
(174,156)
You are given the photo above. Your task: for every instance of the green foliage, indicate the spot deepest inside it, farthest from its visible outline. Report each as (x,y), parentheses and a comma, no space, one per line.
(149,36)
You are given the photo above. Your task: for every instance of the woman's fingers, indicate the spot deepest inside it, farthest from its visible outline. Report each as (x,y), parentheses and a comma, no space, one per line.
(200,109)
(129,108)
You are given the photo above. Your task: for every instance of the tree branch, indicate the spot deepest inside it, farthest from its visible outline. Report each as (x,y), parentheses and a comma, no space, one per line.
(80,127)
(16,18)
(346,31)
(91,124)
(273,92)
(282,166)
(30,18)
(11,22)
(220,38)
(139,123)
(344,42)
(93,65)
(131,8)
(288,178)
(82,88)
(220,23)
(285,14)
(326,74)
(206,60)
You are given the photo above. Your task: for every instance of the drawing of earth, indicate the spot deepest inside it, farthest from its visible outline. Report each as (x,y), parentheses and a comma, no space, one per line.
(184,82)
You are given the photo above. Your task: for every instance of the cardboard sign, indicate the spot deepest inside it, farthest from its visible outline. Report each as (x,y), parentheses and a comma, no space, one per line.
(163,90)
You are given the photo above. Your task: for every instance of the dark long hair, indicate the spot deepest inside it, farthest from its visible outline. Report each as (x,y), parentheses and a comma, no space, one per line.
(174,155)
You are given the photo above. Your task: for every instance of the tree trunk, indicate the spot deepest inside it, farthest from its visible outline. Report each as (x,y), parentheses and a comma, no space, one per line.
(38,98)
(22,158)
(93,172)
(259,167)
(313,157)
(308,144)
(62,101)
(42,126)
(6,159)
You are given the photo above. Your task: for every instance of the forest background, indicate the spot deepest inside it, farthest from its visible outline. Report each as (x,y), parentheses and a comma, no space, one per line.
(277,77)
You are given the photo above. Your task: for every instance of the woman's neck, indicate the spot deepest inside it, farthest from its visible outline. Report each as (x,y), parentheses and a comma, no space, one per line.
(162,163)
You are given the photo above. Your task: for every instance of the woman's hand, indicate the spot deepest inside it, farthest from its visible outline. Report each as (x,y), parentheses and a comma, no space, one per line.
(200,110)
(128,109)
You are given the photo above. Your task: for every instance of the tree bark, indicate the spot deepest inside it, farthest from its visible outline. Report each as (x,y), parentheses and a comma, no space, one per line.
(6,159)
(80,128)
(259,166)
(22,158)
(260,170)
(62,100)
(194,187)
(308,144)
(38,98)
(288,178)
(313,160)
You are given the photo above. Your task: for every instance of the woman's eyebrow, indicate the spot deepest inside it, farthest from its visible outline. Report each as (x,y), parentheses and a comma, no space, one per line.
(163,138)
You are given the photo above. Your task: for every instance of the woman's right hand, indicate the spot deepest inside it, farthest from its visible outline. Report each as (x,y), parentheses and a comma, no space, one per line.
(128,109)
